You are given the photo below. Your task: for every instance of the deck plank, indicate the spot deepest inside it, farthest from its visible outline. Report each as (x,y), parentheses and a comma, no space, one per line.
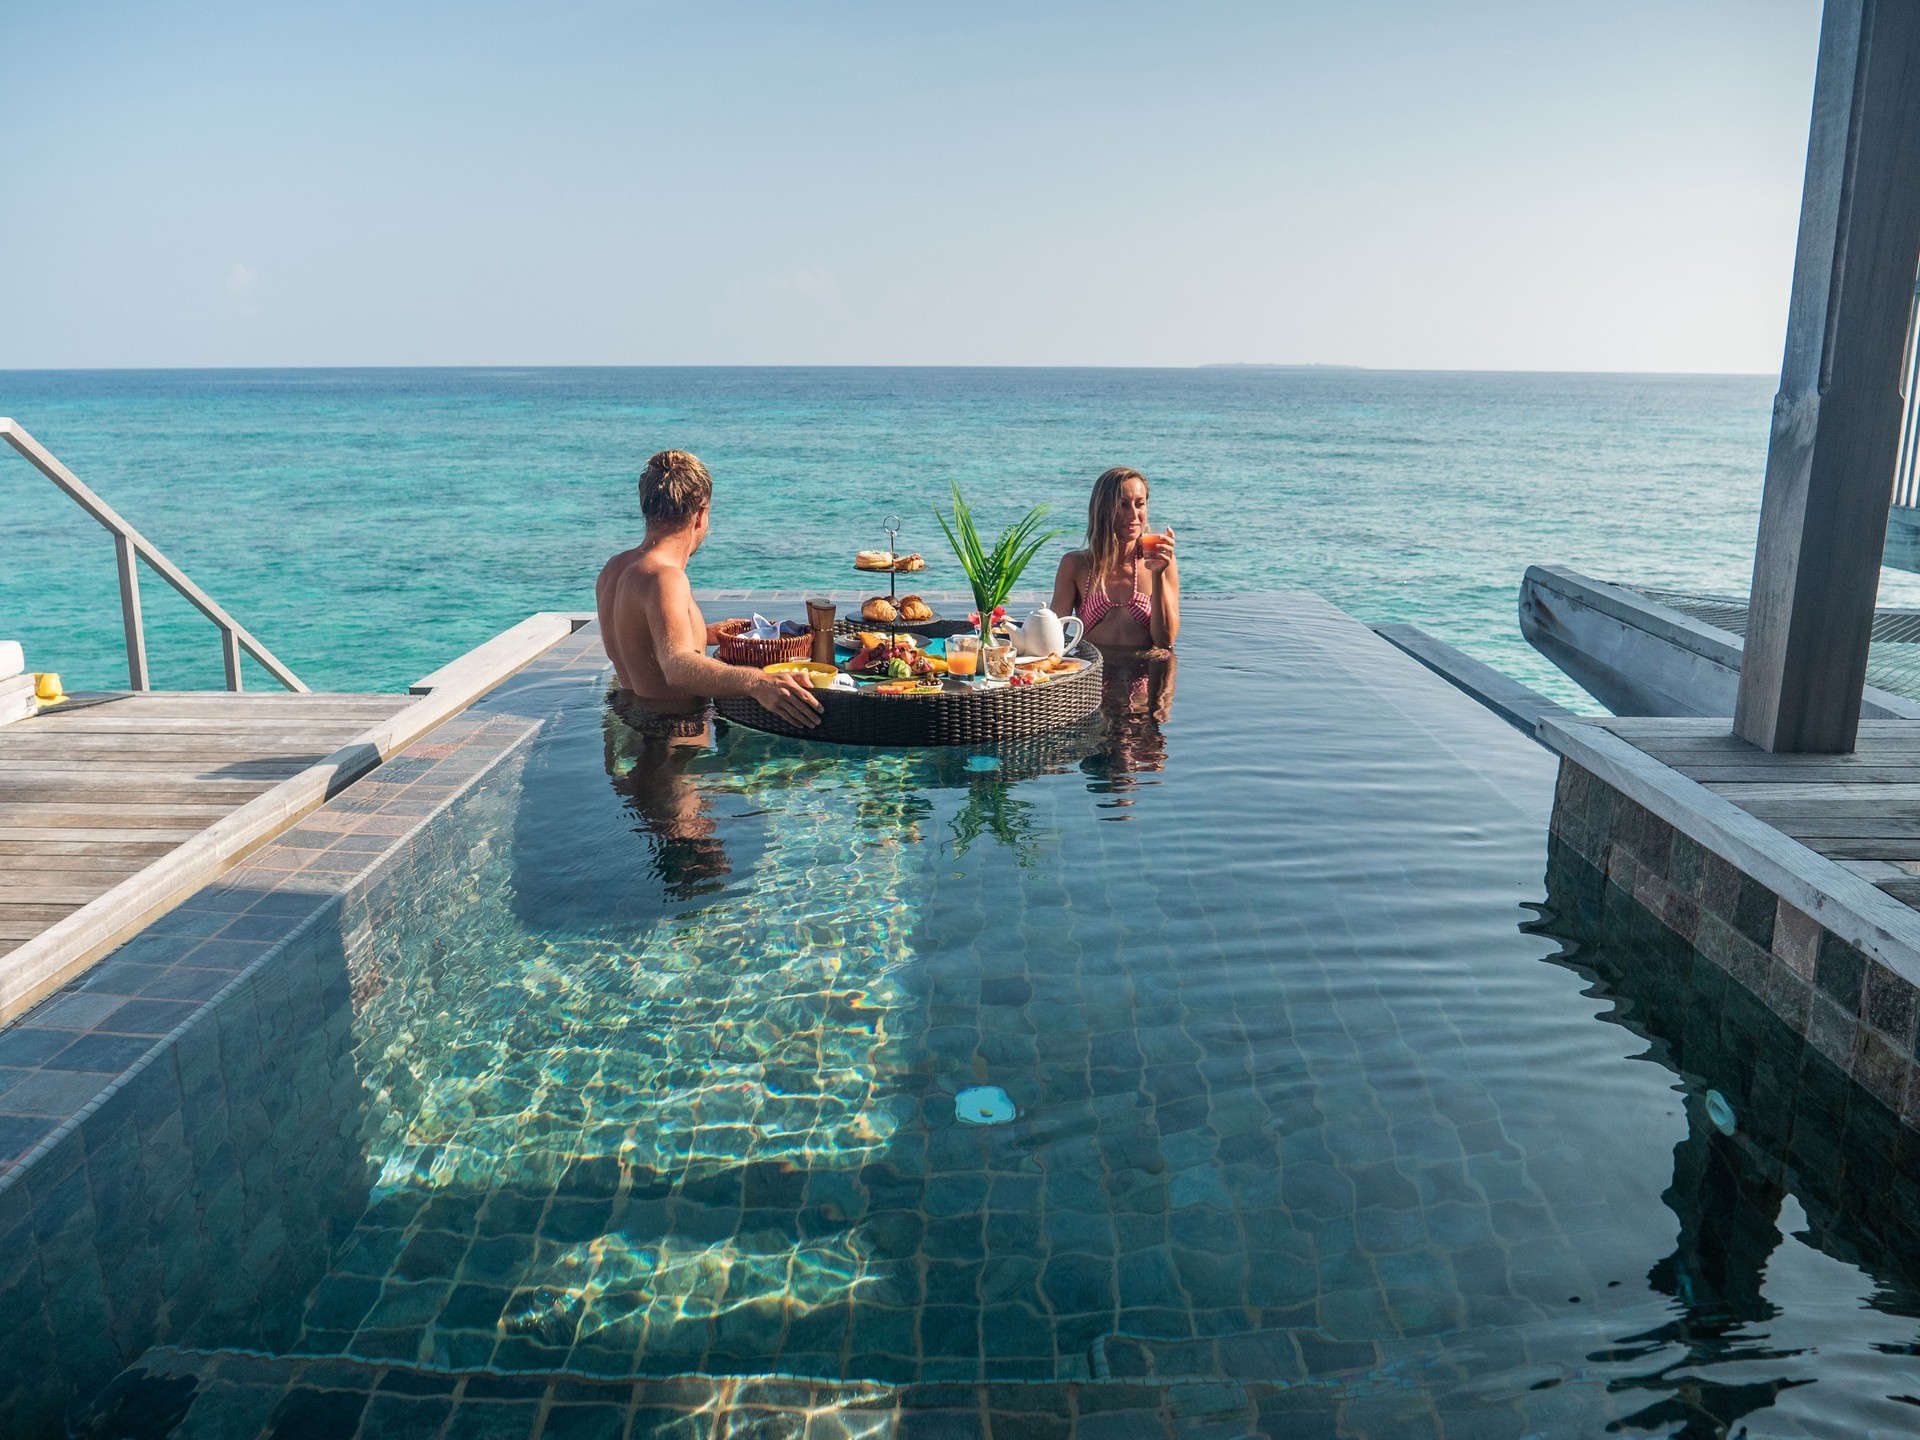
(90,797)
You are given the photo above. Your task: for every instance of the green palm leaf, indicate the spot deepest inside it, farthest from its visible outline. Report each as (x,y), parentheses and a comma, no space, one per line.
(992,574)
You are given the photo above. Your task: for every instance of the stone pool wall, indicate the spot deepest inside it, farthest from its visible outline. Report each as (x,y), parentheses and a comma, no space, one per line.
(1848,1006)
(212,1156)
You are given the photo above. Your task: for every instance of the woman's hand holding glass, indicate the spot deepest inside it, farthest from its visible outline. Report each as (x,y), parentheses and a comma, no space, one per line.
(1156,551)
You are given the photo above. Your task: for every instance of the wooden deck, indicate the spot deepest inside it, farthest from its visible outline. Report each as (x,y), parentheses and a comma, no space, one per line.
(90,796)
(1861,811)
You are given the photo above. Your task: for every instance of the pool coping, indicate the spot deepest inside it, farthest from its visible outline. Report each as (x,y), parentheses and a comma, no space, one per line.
(70,946)
(1839,900)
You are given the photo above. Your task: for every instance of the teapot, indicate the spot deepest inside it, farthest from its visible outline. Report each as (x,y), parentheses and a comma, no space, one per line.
(1045,633)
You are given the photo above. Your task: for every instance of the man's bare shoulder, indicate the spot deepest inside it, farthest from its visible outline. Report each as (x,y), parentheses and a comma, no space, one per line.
(641,570)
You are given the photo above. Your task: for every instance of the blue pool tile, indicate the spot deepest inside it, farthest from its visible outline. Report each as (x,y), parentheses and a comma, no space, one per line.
(305,1413)
(78,1010)
(25,1045)
(100,1052)
(493,1420)
(404,1417)
(182,983)
(54,1092)
(147,1017)
(20,1133)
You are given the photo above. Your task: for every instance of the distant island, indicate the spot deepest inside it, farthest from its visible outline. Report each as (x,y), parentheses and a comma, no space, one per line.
(1263,365)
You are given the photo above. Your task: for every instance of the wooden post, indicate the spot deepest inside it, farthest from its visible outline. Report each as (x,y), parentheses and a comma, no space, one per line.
(230,657)
(129,563)
(1837,418)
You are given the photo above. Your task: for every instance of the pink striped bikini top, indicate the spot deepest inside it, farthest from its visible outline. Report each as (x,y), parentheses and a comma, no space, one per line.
(1095,606)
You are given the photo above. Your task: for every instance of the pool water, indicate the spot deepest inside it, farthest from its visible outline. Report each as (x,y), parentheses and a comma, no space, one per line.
(1322,1122)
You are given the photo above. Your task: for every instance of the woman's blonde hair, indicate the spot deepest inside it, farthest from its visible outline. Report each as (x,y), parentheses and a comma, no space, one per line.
(1104,545)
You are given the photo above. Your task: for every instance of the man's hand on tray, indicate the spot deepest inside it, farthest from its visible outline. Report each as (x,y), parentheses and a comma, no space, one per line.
(789,694)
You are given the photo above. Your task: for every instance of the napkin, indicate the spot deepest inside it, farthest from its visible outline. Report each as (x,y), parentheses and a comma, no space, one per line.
(765,629)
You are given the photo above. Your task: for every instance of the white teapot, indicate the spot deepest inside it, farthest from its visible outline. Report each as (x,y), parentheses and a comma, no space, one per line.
(1045,633)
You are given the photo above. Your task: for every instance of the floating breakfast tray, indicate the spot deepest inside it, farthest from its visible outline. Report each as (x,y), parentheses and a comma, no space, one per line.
(953,717)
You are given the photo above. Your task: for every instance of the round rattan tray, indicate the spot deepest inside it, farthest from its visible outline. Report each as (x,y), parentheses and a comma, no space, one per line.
(953,717)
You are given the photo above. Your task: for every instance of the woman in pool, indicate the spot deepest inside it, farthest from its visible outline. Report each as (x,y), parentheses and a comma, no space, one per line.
(1125,586)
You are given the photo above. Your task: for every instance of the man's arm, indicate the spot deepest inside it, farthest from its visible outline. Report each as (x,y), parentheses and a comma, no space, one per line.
(680,649)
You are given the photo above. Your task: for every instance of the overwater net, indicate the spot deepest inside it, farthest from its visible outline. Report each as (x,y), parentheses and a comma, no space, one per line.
(1893,659)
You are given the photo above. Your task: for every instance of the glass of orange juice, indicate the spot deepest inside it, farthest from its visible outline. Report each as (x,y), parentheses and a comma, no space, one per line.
(963,656)
(1150,542)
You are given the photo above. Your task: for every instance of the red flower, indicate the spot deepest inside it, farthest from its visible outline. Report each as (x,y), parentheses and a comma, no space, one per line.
(999,612)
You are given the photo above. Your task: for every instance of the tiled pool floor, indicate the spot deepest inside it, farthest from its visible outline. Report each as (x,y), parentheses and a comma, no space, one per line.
(658,1103)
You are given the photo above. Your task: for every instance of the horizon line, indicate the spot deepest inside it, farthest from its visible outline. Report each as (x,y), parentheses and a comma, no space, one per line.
(853,365)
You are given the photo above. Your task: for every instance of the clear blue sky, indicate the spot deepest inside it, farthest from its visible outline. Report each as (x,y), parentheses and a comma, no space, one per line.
(1529,185)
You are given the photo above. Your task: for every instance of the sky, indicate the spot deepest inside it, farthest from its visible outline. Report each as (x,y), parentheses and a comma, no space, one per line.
(1534,185)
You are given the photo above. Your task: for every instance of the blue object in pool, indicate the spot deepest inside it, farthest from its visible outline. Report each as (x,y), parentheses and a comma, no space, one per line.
(1721,1113)
(983,762)
(983,1105)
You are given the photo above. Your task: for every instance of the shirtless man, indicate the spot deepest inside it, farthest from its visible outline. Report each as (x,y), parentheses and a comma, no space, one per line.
(653,631)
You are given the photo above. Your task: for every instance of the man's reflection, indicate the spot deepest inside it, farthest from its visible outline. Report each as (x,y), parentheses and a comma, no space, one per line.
(647,758)
(1729,1212)
(1136,699)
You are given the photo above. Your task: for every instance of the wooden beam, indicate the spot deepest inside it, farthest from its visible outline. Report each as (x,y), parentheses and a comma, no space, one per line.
(1837,417)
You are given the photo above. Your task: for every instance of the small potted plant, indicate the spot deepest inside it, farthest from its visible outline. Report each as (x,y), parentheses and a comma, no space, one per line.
(992,574)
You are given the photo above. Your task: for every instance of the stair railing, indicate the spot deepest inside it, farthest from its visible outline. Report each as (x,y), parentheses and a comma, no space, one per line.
(128,545)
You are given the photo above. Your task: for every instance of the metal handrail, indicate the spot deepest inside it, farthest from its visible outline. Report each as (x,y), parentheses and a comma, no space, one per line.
(128,544)
(1906,470)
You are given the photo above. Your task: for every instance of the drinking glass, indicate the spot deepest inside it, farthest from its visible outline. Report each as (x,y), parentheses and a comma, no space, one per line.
(999,662)
(963,656)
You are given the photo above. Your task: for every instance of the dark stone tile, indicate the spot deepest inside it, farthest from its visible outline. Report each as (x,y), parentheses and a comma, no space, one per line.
(1721,886)
(1840,972)
(493,1420)
(585,1422)
(1754,912)
(402,1417)
(1831,1030)
(1889,1005)
(309,1414)
(431,1255)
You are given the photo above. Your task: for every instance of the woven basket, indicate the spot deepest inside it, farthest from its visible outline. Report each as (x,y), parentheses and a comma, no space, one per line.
(735,649)
(974,717)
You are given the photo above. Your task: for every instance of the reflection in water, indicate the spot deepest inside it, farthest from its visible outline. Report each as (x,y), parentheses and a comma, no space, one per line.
(647,764)
(1777,1221)
(1136,700)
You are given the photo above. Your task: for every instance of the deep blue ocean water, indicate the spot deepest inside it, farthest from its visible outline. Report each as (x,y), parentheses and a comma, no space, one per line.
(368,525)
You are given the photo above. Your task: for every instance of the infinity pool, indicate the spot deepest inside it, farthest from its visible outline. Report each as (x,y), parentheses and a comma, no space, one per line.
(1308,1115)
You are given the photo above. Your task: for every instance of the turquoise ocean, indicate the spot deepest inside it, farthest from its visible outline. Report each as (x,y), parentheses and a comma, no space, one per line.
(369,525)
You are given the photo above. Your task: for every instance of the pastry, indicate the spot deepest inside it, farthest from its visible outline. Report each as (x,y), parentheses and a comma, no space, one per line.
(907,564)
(873,560)
(913,609)
(879,608)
